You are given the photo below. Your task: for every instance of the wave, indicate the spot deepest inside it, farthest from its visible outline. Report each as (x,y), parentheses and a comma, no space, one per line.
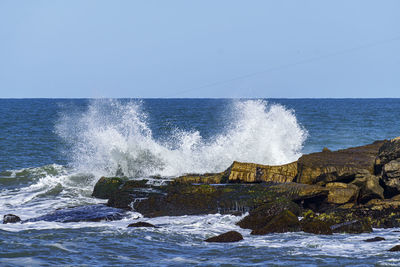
(113,137)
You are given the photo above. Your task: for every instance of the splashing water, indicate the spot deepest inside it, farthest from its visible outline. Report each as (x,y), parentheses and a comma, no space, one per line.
(113,136)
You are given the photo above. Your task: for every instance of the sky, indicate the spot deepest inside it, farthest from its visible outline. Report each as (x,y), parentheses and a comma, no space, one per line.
(199,49)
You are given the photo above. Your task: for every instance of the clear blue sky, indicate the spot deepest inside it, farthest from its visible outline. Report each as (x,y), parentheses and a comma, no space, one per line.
(205,48)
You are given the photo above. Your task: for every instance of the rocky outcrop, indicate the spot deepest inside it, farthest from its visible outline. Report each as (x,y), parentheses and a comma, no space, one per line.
(11,218)
(341,193)
(338,166)
(231,236)
(369,187)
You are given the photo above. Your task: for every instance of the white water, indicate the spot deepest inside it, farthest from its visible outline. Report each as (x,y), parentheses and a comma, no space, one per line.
(112,135)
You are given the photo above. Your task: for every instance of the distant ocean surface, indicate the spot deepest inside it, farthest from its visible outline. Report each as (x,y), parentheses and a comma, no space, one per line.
(52,152)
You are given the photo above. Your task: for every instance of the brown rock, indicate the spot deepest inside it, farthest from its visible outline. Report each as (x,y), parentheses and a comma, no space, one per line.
(231,236)
(316,227)
(284,222)
(251,172)
(369,187)
(341,165)
(341,193)
(395,248)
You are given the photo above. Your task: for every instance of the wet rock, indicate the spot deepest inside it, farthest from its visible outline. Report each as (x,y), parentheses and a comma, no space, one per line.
(352,227)
(261,216)
(251,172)
(106,187)
(395,248)
(375,239)
(284,222)
(341,193)
(369,187)
(231,236)
(316,227)
(11,218)
(142,224)
(89,213)
(342,165)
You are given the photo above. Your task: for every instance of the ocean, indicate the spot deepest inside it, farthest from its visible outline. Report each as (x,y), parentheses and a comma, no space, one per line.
(53,151)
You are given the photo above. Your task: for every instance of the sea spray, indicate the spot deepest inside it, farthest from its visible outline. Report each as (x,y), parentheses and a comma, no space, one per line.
(112,136)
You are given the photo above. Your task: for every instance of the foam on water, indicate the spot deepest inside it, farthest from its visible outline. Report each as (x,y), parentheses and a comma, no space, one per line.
(112,136)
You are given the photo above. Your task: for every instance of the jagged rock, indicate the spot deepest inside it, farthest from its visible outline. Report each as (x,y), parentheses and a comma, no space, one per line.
(231,236)
(106,187)
(284,222)
(395,248)
(341,193)
(142,224)
(316,227)
(208,178)
(389,151)
(342,165)
(391,177)
(260,217)
(375,239)
(369,187)
(251,173)
(11,218)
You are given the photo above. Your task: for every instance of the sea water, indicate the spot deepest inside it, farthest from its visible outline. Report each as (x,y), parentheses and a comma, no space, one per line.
(52,152)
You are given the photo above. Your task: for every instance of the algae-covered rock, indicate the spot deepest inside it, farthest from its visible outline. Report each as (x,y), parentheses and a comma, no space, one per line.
(284,222)
(353,227)
(260,217)
(251,172)
(316,227)
(106,187)
(208,178)
(342,165)
(231,236)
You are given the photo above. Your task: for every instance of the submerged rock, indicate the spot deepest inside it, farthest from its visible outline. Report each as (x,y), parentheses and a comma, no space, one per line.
(231,236)
(395,248)
(375,239)
(11,218)
(89,213)
(142,224)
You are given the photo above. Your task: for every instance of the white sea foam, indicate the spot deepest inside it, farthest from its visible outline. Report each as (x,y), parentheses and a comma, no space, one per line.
(112,135)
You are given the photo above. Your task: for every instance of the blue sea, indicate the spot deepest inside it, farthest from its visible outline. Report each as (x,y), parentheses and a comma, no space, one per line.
(52,152)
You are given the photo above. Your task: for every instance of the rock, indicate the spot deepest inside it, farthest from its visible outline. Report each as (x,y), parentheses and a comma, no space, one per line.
(208,178)
(11,218)
(231,236)
(391,177)
(375,239)
(251,173)
(389,151)
(342,165)
(88,213)
(260,217)
(369,187)
(316,227)
(341,193)
(325,149)
(352,227)
(142,224)
(284,222)
(106,187)
(395,248)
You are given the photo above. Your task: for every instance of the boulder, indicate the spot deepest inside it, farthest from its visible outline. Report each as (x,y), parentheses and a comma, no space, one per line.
(391,177)
(341,193)
(284,222)
(389,151)
(316,227)
(353,227)
(342,165)
(260,217)
(252,173)
(106,187)
(369,187)
(375,239)
(142,224)
(231,236)
(11,218)
(395,248)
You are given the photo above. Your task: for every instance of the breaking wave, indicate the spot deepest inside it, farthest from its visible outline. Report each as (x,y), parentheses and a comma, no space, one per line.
(114,137)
